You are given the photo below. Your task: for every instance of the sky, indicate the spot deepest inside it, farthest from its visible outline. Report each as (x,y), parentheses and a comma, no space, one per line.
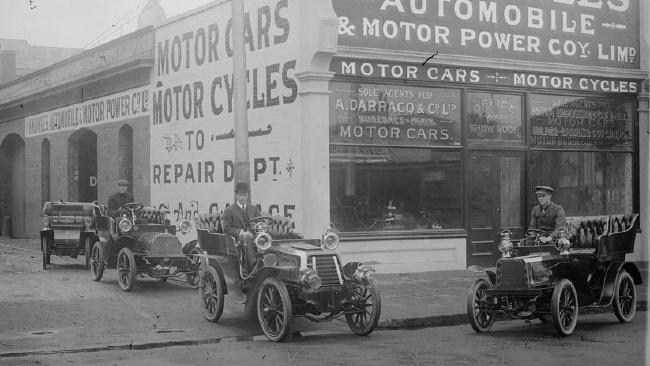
(77,23)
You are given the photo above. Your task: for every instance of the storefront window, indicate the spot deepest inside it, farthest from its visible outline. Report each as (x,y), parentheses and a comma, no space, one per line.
(588,183)
(377,188)
(494,117)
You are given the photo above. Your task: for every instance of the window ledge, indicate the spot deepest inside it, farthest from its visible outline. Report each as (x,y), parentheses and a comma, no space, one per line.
(391,235)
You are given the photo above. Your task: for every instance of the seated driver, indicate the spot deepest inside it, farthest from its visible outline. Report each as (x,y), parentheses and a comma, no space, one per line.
(547,216)
(118,199)
(236,220)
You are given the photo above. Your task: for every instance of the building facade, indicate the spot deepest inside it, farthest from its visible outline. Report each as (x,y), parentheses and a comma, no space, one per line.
(418,128)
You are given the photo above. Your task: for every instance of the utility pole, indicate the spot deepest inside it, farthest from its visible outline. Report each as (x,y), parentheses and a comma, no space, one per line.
(242,160)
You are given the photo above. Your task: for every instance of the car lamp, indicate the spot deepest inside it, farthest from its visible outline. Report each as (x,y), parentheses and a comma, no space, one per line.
(310,279)
(505,245)
(331,241)
(563,244)
(125,225)
(185,226)
(263,241)
(364,274)
(46,221)
(88,222)
(259,227)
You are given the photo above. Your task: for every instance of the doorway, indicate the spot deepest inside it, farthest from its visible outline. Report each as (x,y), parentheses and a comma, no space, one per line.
(12,186)
(495,201)
(82,160)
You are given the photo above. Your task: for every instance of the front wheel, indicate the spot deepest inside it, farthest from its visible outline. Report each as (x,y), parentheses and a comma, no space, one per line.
(480,318)
(97,262)
(211,291)
(564,307)
(193,277)
(274,310)
(367,308)
(624,298)
(126,270)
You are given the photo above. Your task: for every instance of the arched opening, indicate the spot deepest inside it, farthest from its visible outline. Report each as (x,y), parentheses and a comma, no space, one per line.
(45,171)
(82,166)
(125,168)
(12,185)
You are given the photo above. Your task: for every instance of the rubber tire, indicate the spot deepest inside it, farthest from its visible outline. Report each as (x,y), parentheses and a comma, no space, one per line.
(210,276)
(46,255)
(624,316)
(556,312)
(274,285)
(97,267)
(372,321)
(479,326)
(126,254)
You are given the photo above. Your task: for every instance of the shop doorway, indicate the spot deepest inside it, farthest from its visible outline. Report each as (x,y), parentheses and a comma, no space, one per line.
(82,163)
(12,186)
(495,200)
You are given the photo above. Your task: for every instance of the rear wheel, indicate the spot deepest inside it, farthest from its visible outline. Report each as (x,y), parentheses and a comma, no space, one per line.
(274,310)
(625,297)
(367,308)
(564,307)
(126,270)
(212,292)
(480,318)
(97,262)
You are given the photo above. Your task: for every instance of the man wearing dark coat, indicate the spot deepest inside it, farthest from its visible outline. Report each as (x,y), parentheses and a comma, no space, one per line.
(235,220)
(547,216)
(118,199)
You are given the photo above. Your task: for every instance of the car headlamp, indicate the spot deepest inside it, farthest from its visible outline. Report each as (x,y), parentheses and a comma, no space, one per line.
(563,244)
(125,225)
(263,241)
(364,274)
(259,227)
(185,226)
(88,221)
(310,279)
(505,245)
(331,241)
(46,221)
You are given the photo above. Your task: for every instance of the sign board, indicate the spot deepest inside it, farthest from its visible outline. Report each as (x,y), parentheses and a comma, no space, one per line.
(494,116)
(192,128)
(383,114)
(578,32)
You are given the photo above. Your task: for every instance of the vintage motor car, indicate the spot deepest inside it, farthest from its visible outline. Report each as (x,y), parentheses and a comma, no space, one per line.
(584,266)
(293,277)
(67,229)
(142,243)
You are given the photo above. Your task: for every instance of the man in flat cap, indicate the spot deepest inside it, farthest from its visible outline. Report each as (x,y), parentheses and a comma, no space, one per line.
(118,199)
(236,217)
(547,216)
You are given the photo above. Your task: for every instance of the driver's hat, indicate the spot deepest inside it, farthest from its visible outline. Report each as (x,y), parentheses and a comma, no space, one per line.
(544,189)
(122,183)
(242,187)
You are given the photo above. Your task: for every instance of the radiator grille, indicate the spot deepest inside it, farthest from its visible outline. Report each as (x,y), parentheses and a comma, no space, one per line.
(327,269)
(511,274)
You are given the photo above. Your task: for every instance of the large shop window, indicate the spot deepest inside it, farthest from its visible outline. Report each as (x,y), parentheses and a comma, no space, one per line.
(592,161)
(389,168)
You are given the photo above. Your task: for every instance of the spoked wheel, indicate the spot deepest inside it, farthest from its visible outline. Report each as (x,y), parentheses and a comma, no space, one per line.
(625,298)
(480,319)
(274,310)
(126,270)
(87,251)
(193,277)
(564,307)
(211,291)
(97,262)
(367,308)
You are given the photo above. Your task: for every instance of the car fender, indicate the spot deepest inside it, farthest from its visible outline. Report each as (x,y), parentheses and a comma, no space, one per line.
(254,287)
(571,272)
(609,283)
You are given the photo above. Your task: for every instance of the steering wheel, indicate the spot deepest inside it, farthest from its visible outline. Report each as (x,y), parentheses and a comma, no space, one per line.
(132,206)
(535,234)
(265,219)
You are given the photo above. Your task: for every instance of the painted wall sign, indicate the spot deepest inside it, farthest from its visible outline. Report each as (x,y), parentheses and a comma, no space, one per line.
(494,116)
(582,123)
(394,115)
(112,108)
(579,32)
(481,76)
(192,138)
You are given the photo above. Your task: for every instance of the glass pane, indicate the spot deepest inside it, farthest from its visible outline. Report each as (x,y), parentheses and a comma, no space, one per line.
(510,185)
(482,191)
(387,189)
(588,183)
(494,116)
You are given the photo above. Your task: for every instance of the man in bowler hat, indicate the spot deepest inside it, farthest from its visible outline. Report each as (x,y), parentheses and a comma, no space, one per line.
(118,199)
(547,216)
(235,220)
